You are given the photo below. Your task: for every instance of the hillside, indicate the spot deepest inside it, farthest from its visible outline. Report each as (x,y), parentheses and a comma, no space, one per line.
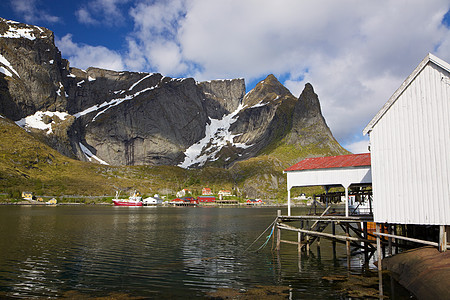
(95,131)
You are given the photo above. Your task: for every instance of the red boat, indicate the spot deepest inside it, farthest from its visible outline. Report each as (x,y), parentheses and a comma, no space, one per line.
(133,200)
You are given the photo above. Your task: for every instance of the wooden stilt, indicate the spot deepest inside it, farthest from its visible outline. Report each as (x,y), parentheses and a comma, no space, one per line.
(278,232)
(333,231)
(307,238)
(442,238)
(389,240)
(366,247)
(380,275)
(395,241)
(347,244)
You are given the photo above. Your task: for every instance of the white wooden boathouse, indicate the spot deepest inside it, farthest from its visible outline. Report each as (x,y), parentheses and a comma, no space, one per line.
(410,148)
(409,160)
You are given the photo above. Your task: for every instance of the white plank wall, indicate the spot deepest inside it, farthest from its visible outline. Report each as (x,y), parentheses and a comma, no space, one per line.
(410,152)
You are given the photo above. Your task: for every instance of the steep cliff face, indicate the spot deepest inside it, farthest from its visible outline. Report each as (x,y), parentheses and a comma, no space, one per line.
(33,71)
(153,123)
(222,96)
(131,118)
(267,115)
(309,126)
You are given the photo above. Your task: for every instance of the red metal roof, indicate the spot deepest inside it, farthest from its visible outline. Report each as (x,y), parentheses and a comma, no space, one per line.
(341,161)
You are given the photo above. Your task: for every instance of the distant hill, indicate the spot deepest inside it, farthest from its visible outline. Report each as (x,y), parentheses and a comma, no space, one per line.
(149,120)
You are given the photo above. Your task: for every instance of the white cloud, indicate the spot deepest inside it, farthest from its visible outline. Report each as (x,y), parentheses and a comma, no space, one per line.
(354,53)
(31,11)
(107,12)
(154,45)
(84,16)
(84,56)
(360,146)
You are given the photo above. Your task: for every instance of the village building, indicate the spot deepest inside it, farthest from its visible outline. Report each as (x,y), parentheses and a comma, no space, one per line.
(183,193)
(203,199)
(224,193)
(206,191)
(27,195)
(184,201)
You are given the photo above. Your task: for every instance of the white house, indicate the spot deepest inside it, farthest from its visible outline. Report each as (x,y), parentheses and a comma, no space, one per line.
(155,200)
(410,149)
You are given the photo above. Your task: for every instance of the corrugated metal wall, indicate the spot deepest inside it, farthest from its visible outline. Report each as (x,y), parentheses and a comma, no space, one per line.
(410,151)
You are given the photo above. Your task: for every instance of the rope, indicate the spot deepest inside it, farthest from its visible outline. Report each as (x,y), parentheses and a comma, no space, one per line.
(268,238)
(261,235)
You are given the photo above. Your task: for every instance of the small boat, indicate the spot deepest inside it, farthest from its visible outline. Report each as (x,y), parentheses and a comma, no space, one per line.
(134,200)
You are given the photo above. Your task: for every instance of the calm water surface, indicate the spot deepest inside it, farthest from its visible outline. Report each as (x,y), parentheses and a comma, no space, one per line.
(157,252)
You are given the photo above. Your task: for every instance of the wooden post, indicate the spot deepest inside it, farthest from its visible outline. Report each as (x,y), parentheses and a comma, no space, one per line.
(380,275)
(299,240)
(396,241)
(389,240)
(333,231)
(289,202)
(346,201)
(442,238)
(278,231)
(307,239)
(347,244)
(366,246)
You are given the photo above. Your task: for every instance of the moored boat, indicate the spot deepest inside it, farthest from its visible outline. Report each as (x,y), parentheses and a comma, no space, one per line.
(134,200)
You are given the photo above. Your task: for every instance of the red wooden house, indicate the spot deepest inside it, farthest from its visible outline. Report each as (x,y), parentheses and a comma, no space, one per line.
(203,199)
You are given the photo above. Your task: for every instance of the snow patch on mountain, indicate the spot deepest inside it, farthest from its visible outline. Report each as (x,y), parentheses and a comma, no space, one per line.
(14,32)
(9,67)
(89,155)
(217,135)
(139,81)
(109,104)
(36,121)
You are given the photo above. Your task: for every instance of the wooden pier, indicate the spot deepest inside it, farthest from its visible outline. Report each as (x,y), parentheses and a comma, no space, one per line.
(311,228)
(359,231)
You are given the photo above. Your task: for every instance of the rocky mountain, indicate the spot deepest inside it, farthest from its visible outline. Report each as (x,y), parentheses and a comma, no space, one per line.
(132,118)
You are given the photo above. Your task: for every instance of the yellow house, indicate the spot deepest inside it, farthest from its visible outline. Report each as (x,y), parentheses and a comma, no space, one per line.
(27,195)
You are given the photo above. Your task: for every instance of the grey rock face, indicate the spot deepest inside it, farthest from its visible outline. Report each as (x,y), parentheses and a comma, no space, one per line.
(263,119)
(309,126)
(38,83)
(222,96)
(153,128)
(131,118)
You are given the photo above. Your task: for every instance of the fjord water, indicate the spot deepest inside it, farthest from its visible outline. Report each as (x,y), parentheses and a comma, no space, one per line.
(154,252)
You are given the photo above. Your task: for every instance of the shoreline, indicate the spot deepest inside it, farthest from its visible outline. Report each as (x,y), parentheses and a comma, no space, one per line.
(36,203)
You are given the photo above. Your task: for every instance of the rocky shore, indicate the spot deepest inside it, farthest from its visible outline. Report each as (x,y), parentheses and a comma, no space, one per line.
(423,271)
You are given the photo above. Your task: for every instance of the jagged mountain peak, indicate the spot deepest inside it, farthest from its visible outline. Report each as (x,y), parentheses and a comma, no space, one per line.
(308,102)
(13,29)
(267,90)
(135,118)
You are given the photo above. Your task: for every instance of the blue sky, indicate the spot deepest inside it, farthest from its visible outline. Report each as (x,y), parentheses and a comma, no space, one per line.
(355,53)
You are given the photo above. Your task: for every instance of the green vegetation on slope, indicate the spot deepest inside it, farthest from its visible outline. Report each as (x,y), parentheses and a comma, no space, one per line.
(27,164)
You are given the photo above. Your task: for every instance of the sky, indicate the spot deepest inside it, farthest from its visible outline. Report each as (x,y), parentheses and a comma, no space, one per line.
(355,53)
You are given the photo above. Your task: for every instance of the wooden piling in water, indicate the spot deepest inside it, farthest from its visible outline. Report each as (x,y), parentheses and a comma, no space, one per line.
(380,275)
(278,230)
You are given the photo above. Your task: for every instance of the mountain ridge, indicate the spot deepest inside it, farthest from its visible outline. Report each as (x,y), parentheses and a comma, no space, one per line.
(137,118)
